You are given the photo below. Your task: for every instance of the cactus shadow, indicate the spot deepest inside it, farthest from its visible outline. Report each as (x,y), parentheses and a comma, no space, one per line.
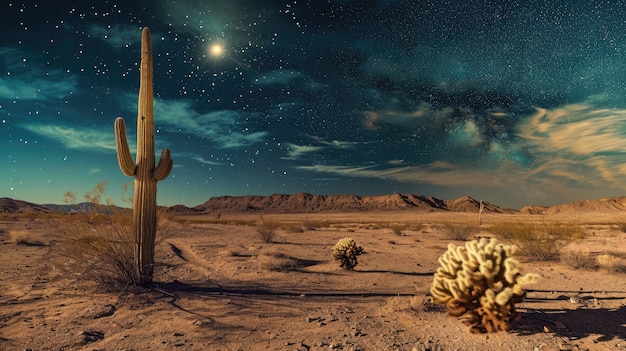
(414,274)
(605,324)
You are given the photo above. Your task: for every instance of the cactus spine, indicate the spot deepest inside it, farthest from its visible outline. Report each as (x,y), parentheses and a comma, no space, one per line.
(144,171)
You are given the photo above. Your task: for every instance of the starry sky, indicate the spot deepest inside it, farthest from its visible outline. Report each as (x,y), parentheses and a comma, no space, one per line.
(512,102)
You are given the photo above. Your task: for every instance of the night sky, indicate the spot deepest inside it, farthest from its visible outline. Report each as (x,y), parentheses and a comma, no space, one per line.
(512,102)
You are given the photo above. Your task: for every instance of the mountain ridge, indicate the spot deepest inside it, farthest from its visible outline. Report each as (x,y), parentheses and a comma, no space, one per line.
(305,202)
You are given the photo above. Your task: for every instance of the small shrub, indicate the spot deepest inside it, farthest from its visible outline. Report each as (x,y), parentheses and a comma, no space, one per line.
(538,241)
(610,263)
(622,226)
(294,228)
(459,232)
(346,251)
(104,252)
(99,240)
(267,233)
(277,262)
(576,259)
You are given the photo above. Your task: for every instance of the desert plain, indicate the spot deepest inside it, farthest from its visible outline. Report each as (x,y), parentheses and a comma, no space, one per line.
(219,285)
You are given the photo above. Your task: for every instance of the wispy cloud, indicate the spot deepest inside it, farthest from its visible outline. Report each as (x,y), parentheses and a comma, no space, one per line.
(437,173)
(117,35)
(576,143)
(32,83)
(196,157)
(295,152)
(287,77)
(75,138)
(225,127)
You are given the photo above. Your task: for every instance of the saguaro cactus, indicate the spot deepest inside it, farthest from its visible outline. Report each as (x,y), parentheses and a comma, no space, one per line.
(144,171)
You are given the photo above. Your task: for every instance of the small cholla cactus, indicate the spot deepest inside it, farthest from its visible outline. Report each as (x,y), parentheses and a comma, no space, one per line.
(346,251)
(481,281)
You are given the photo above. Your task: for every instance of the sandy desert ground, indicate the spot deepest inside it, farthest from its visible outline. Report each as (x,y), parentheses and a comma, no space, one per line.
(219,290)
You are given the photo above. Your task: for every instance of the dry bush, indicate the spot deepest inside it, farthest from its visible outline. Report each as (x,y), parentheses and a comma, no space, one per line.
(267,232)
(99,241)
(457,231)
(313,225)
(276,261)
(293,227)
(25,238)
(538,241)
(611,263)
(102,247)
(577,259)
(416,227)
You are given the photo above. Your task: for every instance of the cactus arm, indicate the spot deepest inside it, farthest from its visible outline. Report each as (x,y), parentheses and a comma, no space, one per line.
(164,167)
(127,165)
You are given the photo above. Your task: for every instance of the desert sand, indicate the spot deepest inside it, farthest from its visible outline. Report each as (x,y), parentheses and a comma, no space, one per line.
(220,287)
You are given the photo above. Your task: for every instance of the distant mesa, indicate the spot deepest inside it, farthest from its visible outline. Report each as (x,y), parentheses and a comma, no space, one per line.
(182,209)
(304,202)
(8,205)
(606,205)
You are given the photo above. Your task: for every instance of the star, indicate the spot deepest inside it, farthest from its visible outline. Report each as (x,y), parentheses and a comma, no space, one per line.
(216,50)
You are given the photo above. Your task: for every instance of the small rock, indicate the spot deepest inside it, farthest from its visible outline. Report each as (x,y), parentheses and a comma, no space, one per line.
(105,311)
(92,335)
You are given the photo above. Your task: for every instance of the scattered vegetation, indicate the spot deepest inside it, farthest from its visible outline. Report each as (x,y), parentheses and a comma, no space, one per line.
(480,280)
(577,259)
(99,241)
(277,261)
(611,263)
(457,231)
(346,251)
(538,241)
(267,232)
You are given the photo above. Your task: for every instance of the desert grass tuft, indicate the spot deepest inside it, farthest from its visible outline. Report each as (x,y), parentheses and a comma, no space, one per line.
(276,261)
(461,232)
(611,263)
(103,252)
(577,259)
(538,241)
(267,232)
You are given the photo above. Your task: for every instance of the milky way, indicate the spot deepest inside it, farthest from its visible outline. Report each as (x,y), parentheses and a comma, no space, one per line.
(512,102)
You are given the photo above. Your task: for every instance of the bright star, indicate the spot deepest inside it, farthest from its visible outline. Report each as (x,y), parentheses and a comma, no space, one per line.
(216,50)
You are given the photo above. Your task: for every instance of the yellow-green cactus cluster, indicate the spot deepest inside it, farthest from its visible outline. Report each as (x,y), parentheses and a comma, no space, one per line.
(346,251)
(482,281)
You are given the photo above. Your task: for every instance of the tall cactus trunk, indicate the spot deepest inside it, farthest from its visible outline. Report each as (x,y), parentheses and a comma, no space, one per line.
(146,175)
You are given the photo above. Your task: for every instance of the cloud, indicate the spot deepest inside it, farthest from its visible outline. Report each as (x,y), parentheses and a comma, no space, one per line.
(295,152)
(576,143)
(287,77)
(75,138)
(225,128)
(117,35)
(337,144)
(196,157)
(436,173)
(26,80)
